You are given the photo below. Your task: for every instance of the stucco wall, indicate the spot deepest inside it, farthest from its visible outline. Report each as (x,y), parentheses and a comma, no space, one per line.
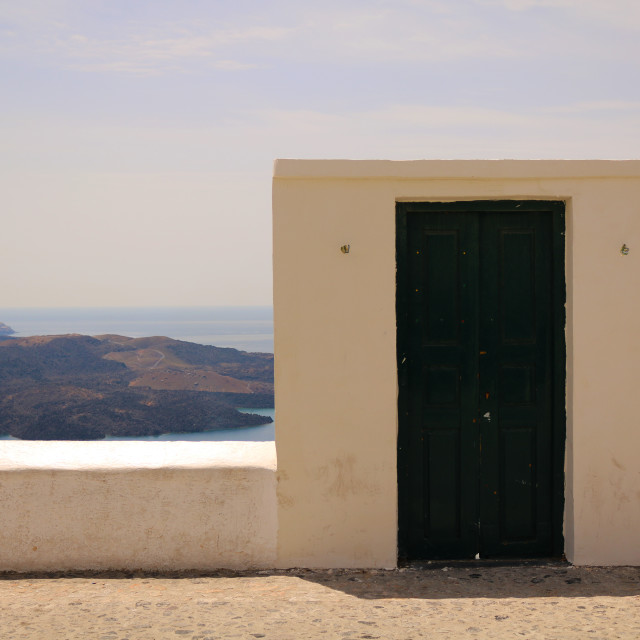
(335,332)
(137,505)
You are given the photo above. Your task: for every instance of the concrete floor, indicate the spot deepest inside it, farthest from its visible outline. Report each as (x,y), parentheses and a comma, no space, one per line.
(551,601)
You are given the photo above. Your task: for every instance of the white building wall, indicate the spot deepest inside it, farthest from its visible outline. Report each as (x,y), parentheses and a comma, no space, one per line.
(335,332)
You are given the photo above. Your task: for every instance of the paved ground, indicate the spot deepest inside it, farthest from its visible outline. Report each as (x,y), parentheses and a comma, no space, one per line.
(548,601)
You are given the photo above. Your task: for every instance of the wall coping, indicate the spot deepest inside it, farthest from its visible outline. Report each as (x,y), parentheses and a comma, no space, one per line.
(119,456)
(454,169)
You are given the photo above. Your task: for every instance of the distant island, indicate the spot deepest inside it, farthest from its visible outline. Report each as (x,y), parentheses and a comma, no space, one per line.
(6,330)
(76,387)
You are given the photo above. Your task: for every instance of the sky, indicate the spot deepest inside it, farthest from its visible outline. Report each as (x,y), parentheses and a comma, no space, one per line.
(137,137)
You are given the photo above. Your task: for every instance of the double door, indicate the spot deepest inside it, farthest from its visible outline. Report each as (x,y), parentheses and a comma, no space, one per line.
(480,307)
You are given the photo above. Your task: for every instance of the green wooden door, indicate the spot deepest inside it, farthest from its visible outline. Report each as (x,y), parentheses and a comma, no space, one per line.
(480,306)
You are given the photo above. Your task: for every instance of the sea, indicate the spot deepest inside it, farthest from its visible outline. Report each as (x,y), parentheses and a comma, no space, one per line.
(243,328)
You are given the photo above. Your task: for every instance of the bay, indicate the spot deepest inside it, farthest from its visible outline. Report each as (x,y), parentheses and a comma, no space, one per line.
(261,433)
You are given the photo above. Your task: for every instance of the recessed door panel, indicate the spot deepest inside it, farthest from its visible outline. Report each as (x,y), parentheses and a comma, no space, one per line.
(442,507)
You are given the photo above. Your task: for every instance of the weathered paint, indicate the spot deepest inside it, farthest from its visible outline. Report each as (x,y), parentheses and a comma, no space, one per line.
(335,332)
(137,505)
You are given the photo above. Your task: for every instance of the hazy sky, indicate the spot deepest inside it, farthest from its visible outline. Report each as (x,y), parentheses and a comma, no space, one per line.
(137,136)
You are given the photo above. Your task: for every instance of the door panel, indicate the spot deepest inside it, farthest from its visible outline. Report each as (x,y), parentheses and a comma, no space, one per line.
(477,360)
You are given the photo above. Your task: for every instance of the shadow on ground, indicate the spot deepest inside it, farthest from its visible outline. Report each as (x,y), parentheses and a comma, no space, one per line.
(436,582)
(491,582)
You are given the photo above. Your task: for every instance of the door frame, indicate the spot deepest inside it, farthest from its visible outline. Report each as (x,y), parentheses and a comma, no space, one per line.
(556,208)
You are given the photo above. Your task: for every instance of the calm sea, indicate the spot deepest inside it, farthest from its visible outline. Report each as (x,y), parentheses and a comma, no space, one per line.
(244,328)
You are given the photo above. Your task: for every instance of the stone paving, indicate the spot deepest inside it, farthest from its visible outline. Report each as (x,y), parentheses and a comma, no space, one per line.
(550,601)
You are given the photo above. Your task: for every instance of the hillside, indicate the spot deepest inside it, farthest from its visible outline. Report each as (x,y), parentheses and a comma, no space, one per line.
(81,387)
(164,363)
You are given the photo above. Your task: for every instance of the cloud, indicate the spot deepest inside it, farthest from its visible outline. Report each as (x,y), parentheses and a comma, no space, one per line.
(135,47)
(623,14)
(391,32)
(414,131)
(251,34)
(87,37)
(252,138)
(233,65)
(358,33)
(141,53)
(606,107)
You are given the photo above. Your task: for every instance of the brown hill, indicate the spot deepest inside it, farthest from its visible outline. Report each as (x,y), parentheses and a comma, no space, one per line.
(164,363)
(82,387)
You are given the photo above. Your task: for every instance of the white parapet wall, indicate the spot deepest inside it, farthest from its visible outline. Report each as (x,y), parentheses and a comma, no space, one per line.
(137,505)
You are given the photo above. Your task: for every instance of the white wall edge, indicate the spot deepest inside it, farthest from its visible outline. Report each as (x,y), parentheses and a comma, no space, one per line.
(124,456)
(454,169)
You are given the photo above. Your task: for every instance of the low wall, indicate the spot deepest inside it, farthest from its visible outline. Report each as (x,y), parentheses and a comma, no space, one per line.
(137,505)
